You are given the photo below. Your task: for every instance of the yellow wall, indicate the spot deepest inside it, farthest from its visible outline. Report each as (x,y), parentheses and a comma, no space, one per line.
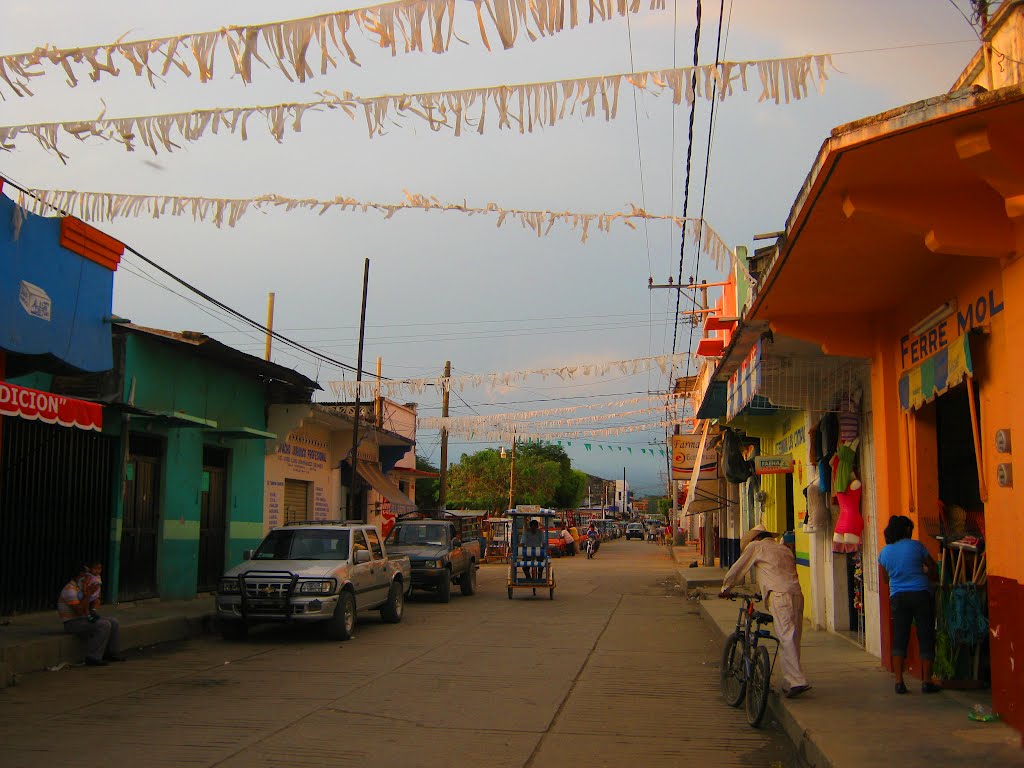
(785,432)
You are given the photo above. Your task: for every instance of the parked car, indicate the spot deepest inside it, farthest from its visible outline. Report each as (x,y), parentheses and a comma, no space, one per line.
(634,531)
(314,572)
(439,558)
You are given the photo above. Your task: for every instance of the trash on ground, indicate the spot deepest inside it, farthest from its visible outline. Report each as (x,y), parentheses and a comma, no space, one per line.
(982,714)
(59,667)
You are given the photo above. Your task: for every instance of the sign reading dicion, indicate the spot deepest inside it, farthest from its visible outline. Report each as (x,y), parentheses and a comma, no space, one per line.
(49,408)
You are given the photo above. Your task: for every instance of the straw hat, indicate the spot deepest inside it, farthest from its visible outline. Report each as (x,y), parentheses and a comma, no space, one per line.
(752,534)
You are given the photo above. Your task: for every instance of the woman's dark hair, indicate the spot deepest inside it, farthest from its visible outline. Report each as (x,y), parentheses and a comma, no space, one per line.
(900,527)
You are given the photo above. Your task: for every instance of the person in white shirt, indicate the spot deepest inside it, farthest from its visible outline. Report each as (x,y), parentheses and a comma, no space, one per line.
(776,575)
(570,542)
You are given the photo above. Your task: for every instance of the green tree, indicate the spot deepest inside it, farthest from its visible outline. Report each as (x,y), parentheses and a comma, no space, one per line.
(428,489)
(543,476)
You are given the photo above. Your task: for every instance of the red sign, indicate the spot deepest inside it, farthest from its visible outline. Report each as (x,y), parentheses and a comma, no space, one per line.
(49,408)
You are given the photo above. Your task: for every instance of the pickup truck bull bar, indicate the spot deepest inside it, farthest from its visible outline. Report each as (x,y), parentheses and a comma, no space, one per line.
(277,596)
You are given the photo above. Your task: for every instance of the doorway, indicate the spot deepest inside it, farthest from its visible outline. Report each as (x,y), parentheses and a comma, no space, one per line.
(140,524)
(212,518)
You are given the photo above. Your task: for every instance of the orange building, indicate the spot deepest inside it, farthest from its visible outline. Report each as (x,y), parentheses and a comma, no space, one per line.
(904,248)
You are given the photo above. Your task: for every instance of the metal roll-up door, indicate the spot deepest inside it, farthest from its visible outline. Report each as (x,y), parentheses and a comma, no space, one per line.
(296,500)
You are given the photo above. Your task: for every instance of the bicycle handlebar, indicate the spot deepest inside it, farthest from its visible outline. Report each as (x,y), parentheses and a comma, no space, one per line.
(754,598)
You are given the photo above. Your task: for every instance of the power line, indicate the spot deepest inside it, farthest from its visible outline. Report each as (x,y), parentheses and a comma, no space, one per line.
(707,169)
(686,183)
(215,302)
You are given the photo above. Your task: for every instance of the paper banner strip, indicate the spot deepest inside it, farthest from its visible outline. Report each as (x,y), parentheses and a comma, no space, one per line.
(109,206)
(346,390)
(291,45)
(440,422)
(523,108)
(505,435)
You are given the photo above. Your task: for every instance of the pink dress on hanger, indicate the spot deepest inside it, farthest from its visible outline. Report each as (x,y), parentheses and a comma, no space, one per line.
(850,525)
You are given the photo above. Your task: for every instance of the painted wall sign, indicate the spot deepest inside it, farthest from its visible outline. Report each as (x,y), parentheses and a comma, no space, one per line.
(914,348)
(34,300)
(773,465)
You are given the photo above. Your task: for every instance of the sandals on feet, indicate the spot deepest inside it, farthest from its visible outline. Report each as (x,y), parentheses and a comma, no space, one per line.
(901,687)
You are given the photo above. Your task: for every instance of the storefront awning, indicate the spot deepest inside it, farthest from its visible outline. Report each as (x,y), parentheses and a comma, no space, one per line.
(932,377)
(372,474)
(34,404)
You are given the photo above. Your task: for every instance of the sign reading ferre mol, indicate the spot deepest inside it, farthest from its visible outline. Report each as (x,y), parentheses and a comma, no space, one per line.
(34,300)
(773,465)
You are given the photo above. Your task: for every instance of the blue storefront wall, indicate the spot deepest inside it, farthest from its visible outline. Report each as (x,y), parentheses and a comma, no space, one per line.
(54,302)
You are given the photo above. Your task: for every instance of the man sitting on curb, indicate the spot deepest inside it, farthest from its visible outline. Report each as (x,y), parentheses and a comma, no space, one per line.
(776,575)
(75,608)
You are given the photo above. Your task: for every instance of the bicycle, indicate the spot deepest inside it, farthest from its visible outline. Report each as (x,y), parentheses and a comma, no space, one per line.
(746,670)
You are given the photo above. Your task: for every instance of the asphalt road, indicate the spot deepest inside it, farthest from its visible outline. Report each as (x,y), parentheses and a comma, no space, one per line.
(618,670)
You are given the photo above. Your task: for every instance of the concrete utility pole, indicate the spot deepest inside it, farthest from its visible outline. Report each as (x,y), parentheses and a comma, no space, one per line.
(270,325)
(442,491)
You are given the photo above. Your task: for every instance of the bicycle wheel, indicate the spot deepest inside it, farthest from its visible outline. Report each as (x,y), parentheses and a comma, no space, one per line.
(758,687)
(731,672)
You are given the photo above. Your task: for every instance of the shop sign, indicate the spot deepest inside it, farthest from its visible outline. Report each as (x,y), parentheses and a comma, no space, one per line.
(773,465)
(49,408)
(684,455)
(929,338)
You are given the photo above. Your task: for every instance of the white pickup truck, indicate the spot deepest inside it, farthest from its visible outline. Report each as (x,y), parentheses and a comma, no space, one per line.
(314,572)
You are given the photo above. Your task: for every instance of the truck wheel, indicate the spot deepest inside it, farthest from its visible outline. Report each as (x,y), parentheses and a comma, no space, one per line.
(392,610)
(342,625)
(444,587)
(468,581)
(234,631)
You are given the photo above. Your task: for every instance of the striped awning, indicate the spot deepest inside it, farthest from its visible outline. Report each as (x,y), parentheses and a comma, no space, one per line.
(745,383)
(932,377)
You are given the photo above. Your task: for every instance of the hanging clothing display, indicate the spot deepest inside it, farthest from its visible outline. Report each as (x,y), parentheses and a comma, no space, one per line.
(817,508)
(850,525)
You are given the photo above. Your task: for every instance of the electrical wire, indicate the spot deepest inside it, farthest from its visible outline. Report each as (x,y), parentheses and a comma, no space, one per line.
(215,302)
(686,182)
(707,171)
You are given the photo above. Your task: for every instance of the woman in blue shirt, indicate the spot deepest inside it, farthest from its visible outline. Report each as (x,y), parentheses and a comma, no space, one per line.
(908,565)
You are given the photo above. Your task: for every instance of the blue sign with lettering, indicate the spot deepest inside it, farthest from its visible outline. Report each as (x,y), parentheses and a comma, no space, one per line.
(918,347)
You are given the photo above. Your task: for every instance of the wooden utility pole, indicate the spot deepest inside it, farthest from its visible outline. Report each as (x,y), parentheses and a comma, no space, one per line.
(512,473)
(442,490)
(378,403)
(359,380)
(270,325)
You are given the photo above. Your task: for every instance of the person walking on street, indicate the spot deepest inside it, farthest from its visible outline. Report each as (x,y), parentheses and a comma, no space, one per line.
(780,587)
(908,566)
(77,608)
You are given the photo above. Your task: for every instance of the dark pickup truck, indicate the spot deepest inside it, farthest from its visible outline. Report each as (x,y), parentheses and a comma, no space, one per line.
(439,558)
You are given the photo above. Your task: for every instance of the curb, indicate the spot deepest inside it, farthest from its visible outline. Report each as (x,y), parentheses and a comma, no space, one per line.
(43,653)
(808,751)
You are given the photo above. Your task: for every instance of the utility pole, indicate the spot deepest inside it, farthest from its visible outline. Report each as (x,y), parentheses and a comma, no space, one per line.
(625,496)
(512,473)
(270,325)
(359,381)
(442,491)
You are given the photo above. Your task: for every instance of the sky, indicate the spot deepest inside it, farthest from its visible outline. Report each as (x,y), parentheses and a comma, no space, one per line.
(446,286)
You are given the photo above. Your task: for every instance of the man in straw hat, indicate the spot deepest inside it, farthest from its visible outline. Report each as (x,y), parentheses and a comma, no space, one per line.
(776,575)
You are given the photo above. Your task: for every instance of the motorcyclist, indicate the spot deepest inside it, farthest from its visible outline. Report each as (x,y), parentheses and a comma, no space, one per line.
(593,540)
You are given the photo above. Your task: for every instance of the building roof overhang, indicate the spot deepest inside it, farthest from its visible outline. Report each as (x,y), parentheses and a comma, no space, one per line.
(896,197)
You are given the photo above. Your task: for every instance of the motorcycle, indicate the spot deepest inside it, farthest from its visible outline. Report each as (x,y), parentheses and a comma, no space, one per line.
(591,547)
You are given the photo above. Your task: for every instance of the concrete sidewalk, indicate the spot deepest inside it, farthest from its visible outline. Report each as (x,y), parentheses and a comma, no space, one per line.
(851,716)
(36,641)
